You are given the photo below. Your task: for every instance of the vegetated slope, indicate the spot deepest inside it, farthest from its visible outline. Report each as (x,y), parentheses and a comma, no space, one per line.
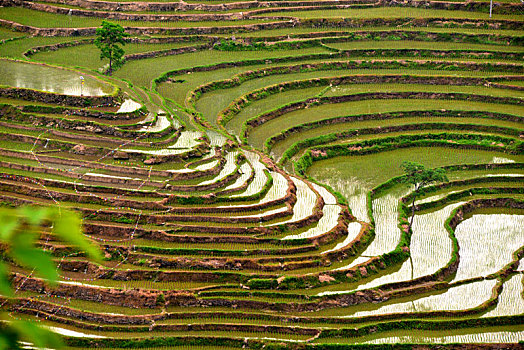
(240,171)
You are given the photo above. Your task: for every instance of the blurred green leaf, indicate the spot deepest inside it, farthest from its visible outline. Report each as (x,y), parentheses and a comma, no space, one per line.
(68,226)
(9,224)
(4,342)
(5,286)
(8,336)
(34,215)
(28,255)
(19,231)
(40,337)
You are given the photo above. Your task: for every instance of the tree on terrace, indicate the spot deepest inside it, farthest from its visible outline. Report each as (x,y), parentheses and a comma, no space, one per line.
(420,177)
(107,40)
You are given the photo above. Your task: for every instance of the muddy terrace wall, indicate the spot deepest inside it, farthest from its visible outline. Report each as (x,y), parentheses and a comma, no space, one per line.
(308,23)
(254,7)
(63,100)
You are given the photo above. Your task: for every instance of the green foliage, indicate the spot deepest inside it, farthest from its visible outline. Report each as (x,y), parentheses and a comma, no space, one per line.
(19,230)
(122,219)
(240,45)
(292,283)
(108,38)
(160,299)
(420,177)
(262,283)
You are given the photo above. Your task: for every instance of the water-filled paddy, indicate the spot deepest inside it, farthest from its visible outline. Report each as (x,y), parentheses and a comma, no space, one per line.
(487,243)
(258,136)
(326,223)
(381,12)
(187,82)
(429,236)
(305,201)
(427,45)
(211,103)
(89,55)
(51,79)
(511,300)
(231,260)
(279,147)
(462,297)
(142,72)
(500,335)
(353,176)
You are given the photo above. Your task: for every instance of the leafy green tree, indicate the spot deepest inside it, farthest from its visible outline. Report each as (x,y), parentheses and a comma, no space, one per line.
(418,176)
(109,36)
(20,229)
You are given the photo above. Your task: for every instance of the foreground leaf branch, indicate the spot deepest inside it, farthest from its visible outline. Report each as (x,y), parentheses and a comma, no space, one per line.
(19,230)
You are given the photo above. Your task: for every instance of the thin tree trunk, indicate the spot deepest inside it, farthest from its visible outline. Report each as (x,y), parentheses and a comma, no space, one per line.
(413,207)
(110,62)
(412,212)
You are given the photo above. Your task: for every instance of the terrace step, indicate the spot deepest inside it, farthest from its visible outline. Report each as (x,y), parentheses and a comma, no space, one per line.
(207,241)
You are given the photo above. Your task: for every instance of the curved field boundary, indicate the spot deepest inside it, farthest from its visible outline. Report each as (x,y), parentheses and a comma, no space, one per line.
(321,302)
(504,8)
(164,7)
(238,104)
(307,23)
(259,120)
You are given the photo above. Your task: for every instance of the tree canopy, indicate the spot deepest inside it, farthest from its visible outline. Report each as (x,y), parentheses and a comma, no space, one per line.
(109,36)
(418,176)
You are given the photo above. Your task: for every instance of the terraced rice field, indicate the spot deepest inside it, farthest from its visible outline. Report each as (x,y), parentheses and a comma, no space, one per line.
(240,172)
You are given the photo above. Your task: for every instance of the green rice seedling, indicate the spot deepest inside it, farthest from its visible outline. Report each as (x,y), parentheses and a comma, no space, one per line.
(384,12)
(143,72)
(7,34)
(50,20)
(271,102)
(91,56)
(423,45)
(259,134)
(17,48)
(362,88)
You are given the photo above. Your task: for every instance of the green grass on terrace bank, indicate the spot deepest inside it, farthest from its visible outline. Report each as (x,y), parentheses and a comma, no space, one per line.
(89,55)
(50,20)
(258,136)
(394,12)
